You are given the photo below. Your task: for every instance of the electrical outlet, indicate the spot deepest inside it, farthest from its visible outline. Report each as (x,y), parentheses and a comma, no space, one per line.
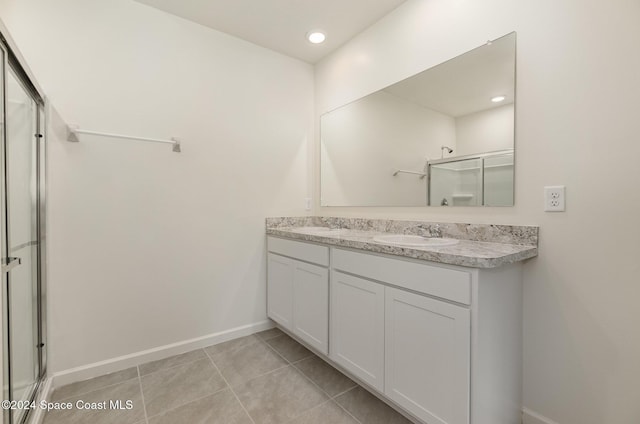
(554,199)
(307,203)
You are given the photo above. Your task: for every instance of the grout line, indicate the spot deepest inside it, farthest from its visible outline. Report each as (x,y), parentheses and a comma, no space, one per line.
(257,376)
(330,399)
(277,335)
(95,390)
(278,353)
(262,375)
(230,388)
(206,356)
(203,349)
(309,410)
(172,366)
(313,354)
(348,390)
(230,350)
(342,407)
(289,363)
(138,372)
(188,402)
(144,406)
(314,383)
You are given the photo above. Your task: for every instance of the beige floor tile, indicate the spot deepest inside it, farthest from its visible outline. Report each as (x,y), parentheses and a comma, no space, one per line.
(290,349)
(231,345)
(127,391)
(172,387)
(327,413)
(219,408)
(172,361)
(368,408)
(269,334)
(332,381)
(242,364)
(276,379)
(86,386)
(279,396)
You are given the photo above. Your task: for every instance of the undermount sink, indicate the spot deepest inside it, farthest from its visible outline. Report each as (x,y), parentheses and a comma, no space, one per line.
(317,231)
(414,241)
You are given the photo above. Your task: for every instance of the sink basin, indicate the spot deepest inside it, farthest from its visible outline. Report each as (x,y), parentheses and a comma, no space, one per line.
(317,231)
(414,241)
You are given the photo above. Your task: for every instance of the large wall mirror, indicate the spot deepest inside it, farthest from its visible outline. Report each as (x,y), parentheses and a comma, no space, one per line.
(443,137)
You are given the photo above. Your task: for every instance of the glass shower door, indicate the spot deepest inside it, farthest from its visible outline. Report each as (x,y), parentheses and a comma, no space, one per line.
(21,241)
(456,183)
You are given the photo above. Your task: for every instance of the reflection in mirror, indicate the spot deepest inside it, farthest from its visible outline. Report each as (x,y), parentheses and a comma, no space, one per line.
(474,180)
(444,137)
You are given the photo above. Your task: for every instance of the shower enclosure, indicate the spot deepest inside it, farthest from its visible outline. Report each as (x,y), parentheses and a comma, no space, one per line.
(22,212)
(484,179)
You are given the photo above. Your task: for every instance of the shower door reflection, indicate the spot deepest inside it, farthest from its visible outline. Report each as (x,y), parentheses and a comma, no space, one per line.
(456,183)
(480,180)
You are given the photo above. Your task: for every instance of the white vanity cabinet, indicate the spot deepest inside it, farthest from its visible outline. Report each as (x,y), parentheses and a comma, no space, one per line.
(428,352)
(357,327)
(424,346)
(298,291)
(441,342)
(280,290)
(311,305)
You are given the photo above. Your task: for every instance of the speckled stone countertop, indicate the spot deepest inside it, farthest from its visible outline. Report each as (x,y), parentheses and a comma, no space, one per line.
(479,245)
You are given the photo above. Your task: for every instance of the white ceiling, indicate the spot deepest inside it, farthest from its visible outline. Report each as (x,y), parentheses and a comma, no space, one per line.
(281,25)
(465,84)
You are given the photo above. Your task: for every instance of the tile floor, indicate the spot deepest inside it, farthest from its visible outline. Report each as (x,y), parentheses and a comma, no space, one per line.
(265,378)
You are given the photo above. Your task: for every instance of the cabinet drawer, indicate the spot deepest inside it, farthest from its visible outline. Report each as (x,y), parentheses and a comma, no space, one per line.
(299,250)
(432,280)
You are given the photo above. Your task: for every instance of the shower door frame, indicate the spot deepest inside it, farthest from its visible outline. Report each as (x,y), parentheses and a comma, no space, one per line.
(13,62)
(481,156)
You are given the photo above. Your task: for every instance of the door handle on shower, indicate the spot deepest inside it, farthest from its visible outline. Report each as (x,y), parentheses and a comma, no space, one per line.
(10,263)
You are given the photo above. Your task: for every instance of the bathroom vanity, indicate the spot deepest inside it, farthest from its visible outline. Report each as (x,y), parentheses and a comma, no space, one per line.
(436,331)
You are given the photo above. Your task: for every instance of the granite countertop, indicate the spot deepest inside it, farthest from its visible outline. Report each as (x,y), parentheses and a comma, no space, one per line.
(479,246)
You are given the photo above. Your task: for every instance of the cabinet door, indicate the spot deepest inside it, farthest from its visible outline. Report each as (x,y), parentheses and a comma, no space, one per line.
(357,327)
(428,345)
(311,305)
(280,272)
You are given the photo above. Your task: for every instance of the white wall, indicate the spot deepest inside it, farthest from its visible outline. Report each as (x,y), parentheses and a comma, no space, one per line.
(150,247)
(485,131)
(576,124)
(365,142)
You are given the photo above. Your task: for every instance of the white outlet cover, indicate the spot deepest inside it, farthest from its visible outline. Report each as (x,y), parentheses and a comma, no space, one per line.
(554,198)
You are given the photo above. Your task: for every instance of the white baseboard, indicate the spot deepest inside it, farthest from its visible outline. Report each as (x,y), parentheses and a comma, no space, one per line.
(123,362)
(530,417)
(44,393)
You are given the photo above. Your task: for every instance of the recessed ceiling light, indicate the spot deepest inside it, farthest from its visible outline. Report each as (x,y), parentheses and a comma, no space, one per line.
(498,99)
(316,37)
